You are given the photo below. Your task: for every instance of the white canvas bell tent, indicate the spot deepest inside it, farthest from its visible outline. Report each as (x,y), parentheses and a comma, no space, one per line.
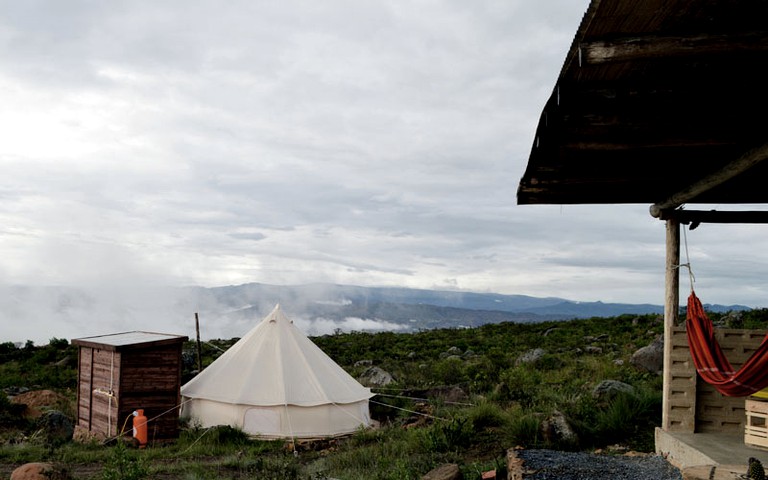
(275,383)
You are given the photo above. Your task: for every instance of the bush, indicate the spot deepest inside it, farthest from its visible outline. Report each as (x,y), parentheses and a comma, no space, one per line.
(124,465)
(487,415)
(10,413)
(524,385)
(525,431)
(445,436)
(628,418)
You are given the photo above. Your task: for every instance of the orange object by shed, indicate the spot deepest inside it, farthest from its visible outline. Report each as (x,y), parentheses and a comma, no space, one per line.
(140,427)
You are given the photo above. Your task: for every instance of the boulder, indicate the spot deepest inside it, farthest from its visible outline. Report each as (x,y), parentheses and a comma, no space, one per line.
(449,471)
(556,430)
(450,394)
(607,390)
(56,427)
(37,471)
(530,357)
(376,377)
(651,357)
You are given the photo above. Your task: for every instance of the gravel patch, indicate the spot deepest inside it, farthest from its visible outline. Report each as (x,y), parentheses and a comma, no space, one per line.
(557,465)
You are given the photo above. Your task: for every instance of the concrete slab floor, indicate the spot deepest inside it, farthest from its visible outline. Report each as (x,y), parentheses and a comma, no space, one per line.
(708,455)
(723,449)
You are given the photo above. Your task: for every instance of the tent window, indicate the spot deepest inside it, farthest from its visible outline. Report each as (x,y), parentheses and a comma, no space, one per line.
(261,421)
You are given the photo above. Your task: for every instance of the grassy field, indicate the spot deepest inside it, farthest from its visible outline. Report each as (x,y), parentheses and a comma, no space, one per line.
(503,405)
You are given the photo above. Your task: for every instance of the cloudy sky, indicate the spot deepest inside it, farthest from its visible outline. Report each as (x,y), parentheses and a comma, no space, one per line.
(367,143)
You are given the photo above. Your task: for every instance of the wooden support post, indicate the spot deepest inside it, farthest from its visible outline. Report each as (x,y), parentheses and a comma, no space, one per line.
(199,346)
(671,309)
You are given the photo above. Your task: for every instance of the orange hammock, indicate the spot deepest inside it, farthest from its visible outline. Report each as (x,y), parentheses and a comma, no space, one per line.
(711,363)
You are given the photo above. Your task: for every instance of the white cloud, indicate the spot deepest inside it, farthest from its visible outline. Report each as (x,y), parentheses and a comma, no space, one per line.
(290,142)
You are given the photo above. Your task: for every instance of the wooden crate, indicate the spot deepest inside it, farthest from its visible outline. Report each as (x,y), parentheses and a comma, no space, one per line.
(756,426)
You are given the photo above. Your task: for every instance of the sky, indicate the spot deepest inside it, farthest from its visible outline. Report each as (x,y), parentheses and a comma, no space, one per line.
(214,143)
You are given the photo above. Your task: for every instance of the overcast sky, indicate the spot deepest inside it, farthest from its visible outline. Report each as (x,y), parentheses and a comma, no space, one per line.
(355,142)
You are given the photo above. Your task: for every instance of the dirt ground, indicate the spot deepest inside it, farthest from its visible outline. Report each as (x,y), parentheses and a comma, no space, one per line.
(38,400)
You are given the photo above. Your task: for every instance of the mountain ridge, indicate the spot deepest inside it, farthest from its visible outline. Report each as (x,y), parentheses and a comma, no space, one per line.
(41,313)
(414,309)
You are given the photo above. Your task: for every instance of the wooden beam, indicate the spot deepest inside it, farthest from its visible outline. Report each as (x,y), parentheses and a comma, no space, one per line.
(714,216)
(737,167)
(654,47)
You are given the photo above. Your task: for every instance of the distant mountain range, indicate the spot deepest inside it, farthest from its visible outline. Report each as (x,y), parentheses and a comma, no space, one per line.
(41,313)
(412,309)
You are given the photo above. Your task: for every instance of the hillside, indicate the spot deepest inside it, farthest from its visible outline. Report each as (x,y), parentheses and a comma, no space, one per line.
(457,395)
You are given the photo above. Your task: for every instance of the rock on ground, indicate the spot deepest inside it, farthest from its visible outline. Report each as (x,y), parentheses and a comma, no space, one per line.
(530,357)
(37,471)
(375,377)
(608,390)
(556,429)
(449,471)
(651,357)
(56,427)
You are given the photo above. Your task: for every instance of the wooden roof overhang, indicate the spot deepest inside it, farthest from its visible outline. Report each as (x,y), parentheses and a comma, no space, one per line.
(662,102)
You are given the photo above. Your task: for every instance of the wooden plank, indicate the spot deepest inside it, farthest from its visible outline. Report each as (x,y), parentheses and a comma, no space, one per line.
(656,46)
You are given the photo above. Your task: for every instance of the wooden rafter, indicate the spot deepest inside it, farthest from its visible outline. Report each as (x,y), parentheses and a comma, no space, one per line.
(733,169)
(652,46)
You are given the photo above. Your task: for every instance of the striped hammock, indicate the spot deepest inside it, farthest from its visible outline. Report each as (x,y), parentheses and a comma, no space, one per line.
(711,363)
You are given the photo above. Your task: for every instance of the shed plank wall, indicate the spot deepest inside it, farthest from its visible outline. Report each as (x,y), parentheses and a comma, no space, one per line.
(105,379)
(151,381)
(147,378)
(84,387)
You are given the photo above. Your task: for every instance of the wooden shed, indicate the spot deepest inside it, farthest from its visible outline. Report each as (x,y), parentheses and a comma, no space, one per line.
(122,372)
(659,102)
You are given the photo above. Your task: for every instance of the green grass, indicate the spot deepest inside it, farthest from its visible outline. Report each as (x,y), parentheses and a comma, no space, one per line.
(505,405)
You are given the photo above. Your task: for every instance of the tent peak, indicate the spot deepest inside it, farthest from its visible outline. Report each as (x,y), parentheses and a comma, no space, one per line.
(277,315)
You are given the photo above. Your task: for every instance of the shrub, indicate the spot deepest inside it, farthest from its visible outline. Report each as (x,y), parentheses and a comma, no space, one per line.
(525,431)
(449,371)
(487,415)
(629,419)
(124,465)
(448,435)
(10,413)
(524,385)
